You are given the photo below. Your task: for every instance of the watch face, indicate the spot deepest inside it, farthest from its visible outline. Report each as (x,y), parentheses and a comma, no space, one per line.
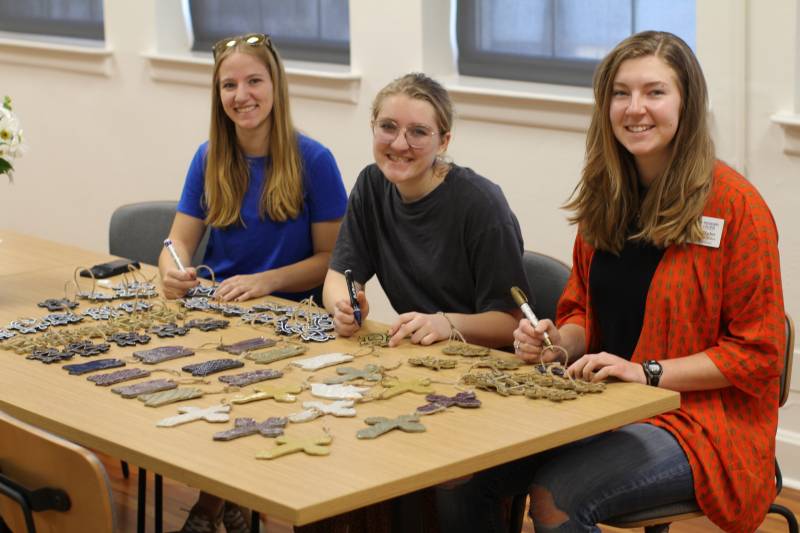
(653,370)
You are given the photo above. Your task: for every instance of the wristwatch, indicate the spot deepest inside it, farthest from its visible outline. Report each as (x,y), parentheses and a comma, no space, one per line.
(652,372)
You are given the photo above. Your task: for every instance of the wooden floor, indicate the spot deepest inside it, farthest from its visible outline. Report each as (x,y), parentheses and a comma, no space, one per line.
(178,499)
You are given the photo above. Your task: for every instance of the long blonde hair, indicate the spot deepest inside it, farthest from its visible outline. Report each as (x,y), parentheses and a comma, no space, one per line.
(608,199)
(226,170)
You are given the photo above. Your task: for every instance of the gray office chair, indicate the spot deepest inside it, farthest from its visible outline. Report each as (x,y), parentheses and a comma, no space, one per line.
(137,231)
(658,519)
(547,277)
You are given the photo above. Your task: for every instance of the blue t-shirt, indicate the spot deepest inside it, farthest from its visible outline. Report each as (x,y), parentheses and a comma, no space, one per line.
(263,244)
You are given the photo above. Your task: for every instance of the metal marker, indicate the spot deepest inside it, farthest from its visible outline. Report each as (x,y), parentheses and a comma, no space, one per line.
(168,245)
(522,302)
(351,288)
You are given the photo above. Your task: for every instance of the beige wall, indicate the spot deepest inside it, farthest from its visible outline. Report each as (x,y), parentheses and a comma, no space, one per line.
(123,132)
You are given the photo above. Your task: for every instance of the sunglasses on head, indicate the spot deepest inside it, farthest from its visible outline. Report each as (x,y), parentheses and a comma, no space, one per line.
(250,39)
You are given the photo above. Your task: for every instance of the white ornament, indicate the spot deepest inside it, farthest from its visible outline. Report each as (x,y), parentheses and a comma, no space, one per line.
(337,392)
(322,361)
(315,410)
(215,413)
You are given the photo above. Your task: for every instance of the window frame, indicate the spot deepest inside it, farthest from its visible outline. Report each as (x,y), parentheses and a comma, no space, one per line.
(292,48)
(41,25)
(472,61)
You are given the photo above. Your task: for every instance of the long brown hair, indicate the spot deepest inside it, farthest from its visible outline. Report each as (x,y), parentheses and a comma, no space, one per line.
(226,171)
(608,199)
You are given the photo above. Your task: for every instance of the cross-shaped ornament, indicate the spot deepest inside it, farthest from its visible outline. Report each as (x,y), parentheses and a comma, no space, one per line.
(338,392)
(280,393)
(439,402)
(215,413)
(399,386)
(242,427)
(378,425)
(311,445)
(313,410)
(348,373)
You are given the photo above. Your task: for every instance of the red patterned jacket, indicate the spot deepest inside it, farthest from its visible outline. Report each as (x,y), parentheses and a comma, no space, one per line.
(728,303)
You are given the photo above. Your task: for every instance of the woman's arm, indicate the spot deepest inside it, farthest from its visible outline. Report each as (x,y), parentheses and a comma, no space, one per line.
(693,372)
(301,276)
(690,373)
(490,328)
(185,235)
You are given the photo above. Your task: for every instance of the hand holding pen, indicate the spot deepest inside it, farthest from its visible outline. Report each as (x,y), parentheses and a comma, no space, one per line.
(171,249)
(351,290)
(522,302)
(527,338)
(350,312)
(178,280)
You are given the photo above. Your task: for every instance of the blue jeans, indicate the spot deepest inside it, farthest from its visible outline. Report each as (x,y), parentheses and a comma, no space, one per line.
(633,468)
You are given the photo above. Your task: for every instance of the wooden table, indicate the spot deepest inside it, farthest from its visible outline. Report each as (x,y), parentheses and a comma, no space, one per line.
(297,489)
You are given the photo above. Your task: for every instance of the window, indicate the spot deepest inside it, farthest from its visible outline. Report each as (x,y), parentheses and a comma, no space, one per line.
(63,18)
(308,30)
(557,41)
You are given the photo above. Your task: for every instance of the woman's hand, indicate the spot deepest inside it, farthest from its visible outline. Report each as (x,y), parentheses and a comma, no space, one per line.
(344,319)
(600,366)
(424,329)
(244,287)
(529,341)
(175,283)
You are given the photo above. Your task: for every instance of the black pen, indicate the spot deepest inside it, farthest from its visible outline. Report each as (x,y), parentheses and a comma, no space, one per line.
(351,288)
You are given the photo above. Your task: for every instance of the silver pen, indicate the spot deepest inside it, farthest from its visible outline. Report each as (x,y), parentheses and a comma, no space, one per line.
(522,302)
(168,245)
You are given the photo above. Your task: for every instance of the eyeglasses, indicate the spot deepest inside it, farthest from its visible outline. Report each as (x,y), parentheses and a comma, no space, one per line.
(417,136)
(251,39)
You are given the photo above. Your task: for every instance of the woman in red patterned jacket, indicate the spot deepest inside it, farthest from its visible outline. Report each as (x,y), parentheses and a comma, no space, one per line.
(676,284)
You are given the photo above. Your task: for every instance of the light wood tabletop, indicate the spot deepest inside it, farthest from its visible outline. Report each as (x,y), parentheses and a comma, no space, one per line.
(298,488)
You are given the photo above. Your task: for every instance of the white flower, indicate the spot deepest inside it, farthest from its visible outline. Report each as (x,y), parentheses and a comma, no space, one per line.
(11,145)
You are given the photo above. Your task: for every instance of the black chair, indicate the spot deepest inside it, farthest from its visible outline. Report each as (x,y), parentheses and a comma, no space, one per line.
(137,231)
(547,277)
(658,519)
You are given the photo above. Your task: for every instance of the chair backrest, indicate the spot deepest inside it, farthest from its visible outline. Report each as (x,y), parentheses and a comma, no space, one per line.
(547,277)
(137,231)
(33,459)
(788,358)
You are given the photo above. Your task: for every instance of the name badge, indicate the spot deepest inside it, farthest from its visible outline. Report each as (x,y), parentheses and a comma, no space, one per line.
(712,231)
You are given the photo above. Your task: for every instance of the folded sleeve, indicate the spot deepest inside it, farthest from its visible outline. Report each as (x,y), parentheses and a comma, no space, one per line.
(750,348)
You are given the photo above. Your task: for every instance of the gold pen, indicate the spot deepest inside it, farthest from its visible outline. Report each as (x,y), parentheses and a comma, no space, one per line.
(522,302)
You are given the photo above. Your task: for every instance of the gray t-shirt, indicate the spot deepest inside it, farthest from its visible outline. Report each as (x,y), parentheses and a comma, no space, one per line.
(458,249)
